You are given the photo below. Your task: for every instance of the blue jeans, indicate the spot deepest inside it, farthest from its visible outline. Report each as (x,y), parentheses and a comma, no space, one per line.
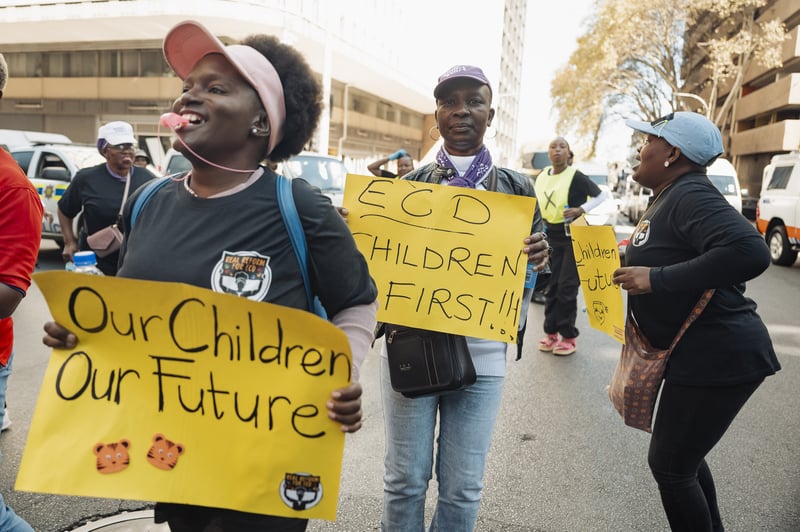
(9,521)
(466,422)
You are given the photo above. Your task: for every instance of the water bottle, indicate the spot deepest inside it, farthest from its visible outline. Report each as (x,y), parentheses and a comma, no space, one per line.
(530,276)
(567,221)
(86,262)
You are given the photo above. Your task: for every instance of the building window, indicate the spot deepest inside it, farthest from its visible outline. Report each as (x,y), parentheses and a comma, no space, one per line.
(84,64)
(129,63)
(24,65)
(153,63)
(56,65)
(109,64)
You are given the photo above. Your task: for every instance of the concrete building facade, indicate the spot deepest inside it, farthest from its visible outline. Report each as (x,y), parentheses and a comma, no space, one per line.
(77,64)
(766,114)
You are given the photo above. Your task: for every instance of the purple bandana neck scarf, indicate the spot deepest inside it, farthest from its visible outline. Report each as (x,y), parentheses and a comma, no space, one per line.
(475,173)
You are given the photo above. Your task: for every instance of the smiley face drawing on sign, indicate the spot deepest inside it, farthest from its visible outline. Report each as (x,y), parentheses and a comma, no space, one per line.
(600,310)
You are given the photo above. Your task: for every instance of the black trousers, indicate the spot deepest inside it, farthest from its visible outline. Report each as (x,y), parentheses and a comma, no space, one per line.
(189,518)
(561,303)
(689,422)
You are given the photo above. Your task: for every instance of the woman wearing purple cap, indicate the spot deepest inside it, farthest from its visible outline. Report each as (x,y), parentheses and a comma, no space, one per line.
(465,418)
(221,221)
(690,240)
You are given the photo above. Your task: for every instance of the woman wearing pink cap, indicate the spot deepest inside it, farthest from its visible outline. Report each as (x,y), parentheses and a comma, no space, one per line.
(241,104)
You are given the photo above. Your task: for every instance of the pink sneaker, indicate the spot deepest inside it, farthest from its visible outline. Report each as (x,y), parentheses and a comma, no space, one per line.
(566,346)
(546,344)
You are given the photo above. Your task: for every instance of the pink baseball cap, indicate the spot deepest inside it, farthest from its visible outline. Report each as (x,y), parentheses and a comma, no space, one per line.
(188,42)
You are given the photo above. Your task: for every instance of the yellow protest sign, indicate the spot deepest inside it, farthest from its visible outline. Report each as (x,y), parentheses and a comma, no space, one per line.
(444,258)
(179,394)
(597,256)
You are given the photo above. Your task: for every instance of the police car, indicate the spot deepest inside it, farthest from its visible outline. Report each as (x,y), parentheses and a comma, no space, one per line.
(50,168)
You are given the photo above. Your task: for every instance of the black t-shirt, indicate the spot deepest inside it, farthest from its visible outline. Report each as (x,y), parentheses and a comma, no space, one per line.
(99,194)
(693,240)
(238,244)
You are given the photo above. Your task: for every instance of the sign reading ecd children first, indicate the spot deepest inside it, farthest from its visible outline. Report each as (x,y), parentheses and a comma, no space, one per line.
(179,394)
(444,258)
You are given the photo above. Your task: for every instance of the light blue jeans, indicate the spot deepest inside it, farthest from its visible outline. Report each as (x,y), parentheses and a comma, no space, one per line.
(466,422)
(9,521)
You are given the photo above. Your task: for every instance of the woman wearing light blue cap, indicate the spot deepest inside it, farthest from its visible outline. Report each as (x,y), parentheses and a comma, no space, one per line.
(690,240)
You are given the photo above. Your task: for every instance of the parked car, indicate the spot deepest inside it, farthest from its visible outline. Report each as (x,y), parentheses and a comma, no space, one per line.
(721,173)
(778,210)
(723,176)
(50,168)
(326,173)
(174,162)
(636,200)
(17,138)
(749,205)
(606,213)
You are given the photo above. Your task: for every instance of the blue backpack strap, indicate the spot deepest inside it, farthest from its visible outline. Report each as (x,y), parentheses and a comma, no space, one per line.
(144,196)
(296,234)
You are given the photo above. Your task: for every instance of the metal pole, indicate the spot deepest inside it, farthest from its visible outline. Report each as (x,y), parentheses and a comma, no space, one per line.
(696,97)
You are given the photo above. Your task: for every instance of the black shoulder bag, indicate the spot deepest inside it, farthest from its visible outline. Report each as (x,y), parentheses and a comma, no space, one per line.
(423,362)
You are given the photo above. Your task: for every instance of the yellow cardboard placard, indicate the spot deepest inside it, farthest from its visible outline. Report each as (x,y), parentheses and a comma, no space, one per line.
(176,393)
(444,258)
(597,256)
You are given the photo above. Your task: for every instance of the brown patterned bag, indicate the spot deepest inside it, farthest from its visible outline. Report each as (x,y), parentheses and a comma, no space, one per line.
(640,370)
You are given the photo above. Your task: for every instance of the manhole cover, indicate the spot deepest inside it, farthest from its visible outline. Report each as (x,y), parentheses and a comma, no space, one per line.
(139,521)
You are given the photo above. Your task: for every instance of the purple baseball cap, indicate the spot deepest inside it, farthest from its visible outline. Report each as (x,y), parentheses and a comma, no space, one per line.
(461,71)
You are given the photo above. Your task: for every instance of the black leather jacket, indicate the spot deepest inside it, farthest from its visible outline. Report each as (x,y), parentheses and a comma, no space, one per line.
(498,179)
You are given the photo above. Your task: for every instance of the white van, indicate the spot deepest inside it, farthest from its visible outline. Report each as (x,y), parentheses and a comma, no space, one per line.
(778,211)
(723,175)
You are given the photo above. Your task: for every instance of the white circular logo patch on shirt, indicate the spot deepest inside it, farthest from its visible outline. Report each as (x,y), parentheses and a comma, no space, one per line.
(641,234)
(242,273)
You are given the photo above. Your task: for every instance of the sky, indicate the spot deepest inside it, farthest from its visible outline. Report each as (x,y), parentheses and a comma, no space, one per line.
(551,32)
(552,29)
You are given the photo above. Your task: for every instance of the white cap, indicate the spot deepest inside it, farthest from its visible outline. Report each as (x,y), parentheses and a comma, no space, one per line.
(116,133)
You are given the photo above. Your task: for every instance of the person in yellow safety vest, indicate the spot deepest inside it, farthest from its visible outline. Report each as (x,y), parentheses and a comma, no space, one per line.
(564,193)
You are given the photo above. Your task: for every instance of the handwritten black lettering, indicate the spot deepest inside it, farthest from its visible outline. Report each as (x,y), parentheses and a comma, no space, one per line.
(79,370)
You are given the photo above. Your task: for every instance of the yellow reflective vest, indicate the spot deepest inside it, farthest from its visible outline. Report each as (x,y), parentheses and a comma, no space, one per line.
(552,192)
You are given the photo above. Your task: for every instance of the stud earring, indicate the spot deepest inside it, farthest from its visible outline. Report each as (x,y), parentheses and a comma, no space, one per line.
(666,164)
(254,130)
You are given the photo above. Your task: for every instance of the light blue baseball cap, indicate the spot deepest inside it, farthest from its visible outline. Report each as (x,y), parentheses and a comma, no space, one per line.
(695,135)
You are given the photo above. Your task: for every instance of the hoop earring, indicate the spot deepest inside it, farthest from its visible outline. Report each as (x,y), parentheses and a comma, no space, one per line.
(494,133)
(430,133)
(666,164)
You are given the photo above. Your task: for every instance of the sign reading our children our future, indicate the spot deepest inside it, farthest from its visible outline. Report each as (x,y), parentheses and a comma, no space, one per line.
(173,388)
(444,258)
